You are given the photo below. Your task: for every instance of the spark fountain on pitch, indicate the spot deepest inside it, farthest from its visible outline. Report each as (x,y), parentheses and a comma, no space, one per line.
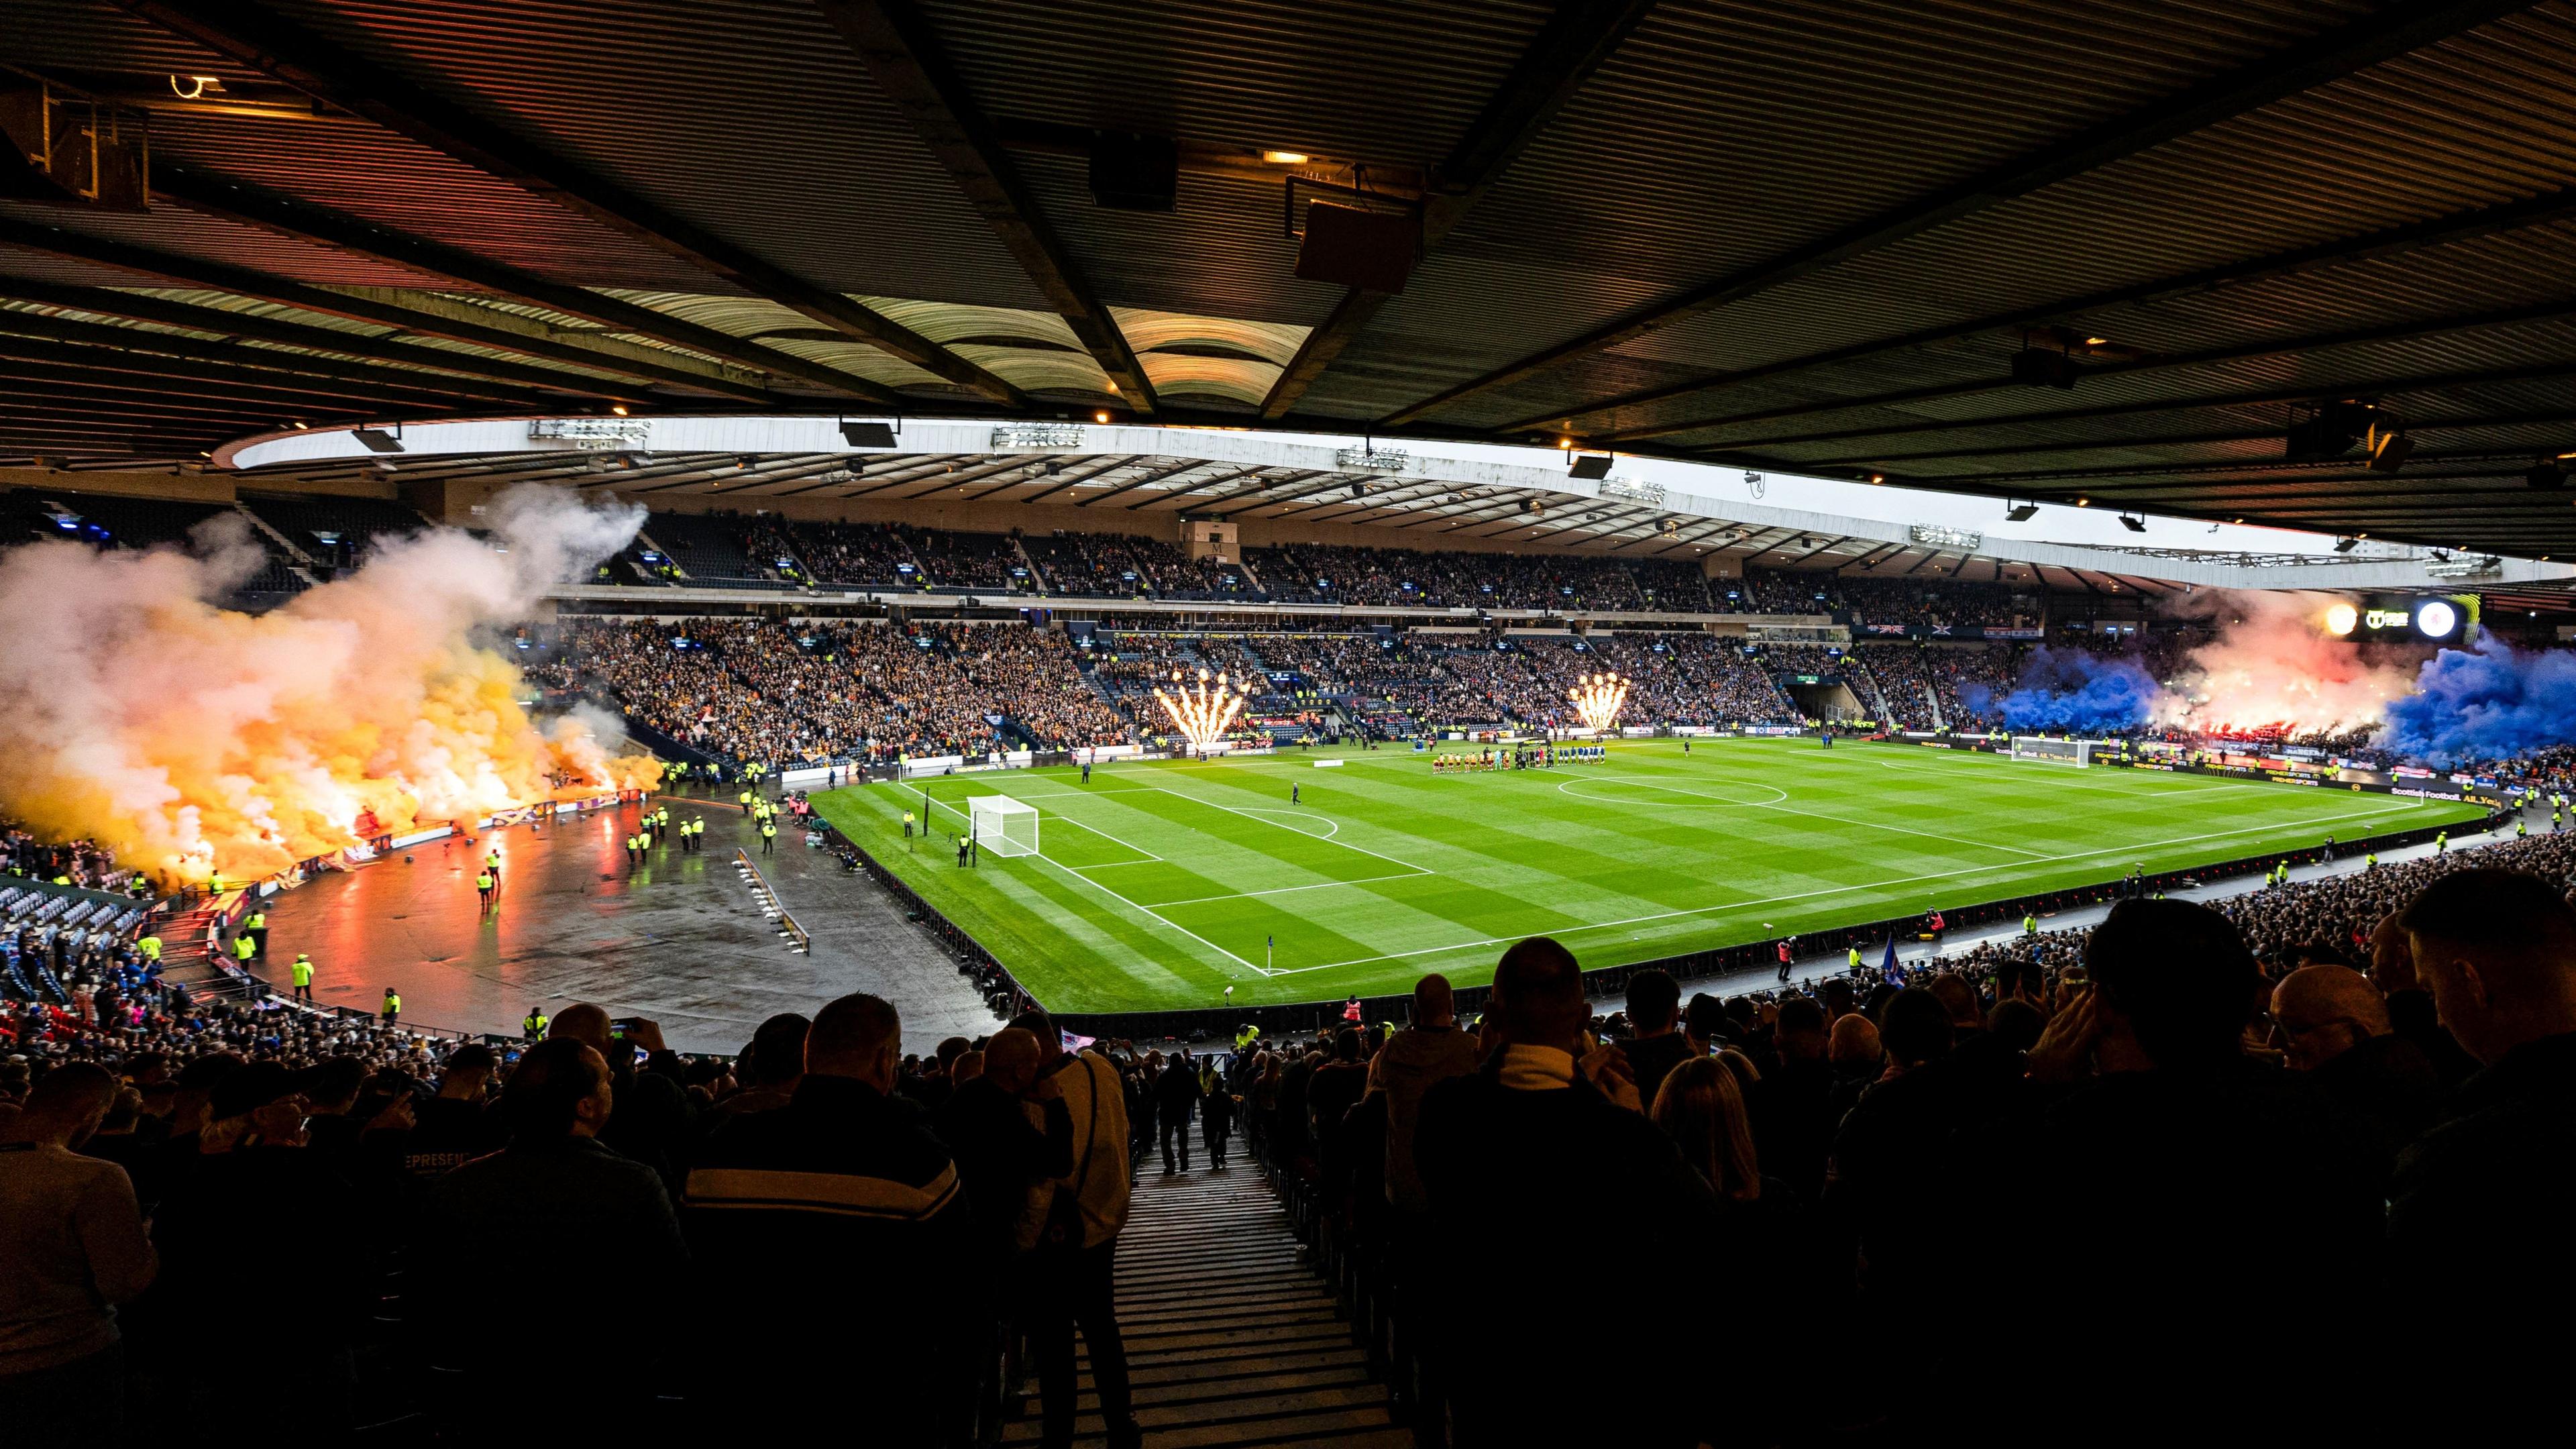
(1598,698)
(1202,711)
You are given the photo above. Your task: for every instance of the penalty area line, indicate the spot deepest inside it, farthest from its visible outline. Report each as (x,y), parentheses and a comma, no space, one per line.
(1150,911)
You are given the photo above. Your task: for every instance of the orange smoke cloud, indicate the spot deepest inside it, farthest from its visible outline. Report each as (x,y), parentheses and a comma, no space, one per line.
(194,740)
(2273,666)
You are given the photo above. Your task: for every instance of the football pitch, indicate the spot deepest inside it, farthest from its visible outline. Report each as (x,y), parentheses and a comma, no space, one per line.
(1160,884)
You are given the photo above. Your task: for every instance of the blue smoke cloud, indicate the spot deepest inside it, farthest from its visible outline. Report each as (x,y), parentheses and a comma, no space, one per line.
(2494,702)
(2071,690)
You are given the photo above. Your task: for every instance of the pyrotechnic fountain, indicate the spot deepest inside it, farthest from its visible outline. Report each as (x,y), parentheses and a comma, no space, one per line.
(1598,698)
(1200,711)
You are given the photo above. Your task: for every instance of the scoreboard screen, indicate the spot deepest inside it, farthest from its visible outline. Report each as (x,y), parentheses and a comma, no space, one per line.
(2407,618)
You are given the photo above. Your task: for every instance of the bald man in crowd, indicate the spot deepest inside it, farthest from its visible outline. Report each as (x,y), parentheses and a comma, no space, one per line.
(652,1118)
(2332,1025)
(2479,1211)
(1428,1051)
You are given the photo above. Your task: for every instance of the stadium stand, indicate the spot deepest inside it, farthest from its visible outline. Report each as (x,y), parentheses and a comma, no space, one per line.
(112,521)
(1825,1140)
(336,533)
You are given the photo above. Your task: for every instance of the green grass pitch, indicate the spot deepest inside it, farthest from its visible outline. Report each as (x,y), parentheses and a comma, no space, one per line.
(1158,885)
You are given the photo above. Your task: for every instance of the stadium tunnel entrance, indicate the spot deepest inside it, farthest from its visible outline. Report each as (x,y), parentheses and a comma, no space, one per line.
(1828,699)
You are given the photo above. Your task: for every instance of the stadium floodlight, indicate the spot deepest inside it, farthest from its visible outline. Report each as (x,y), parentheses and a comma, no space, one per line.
(2133,523)
(1598,698)
(2020,512)
(1201,711)
(1002,825)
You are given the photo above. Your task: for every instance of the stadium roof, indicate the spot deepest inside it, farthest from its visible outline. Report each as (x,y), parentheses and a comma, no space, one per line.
(1138,478)
(1810,235)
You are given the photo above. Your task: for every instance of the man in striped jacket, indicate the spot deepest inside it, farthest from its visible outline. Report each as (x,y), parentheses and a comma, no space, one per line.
(834,1233)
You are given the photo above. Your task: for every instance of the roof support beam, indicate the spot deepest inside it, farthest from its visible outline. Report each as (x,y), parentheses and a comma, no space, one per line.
(457,372)
(1108,465)
(251,36)
(1181,495)
(1261,483)
(2550,311)
(2389,242)
(1326,483)
(965,477)
(2553,417)
(1152,476)
(2367,387)
(2390,31)
(896,43)
(1558,60)
(258,392)
(213,195)
(1569,516)
(359,306)
(262,364)
(1374,503)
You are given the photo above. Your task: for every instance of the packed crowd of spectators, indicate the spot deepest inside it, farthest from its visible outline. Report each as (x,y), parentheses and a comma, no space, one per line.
(2244,1131)
(772,692)
(1926,603)
(871,554)
(1332,573)
(2357,1092)
(373,1212)
(1955,675)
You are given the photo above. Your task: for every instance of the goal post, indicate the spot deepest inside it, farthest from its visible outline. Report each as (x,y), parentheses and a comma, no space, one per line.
(1003,825)
(2053,752)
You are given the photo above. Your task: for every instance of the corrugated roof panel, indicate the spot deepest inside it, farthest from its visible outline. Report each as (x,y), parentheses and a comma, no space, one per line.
(751,118)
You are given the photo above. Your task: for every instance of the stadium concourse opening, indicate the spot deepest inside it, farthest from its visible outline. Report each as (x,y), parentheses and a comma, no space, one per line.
(744,668)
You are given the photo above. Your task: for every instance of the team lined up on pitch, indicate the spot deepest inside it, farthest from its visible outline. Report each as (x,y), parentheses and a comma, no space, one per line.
(1522,757)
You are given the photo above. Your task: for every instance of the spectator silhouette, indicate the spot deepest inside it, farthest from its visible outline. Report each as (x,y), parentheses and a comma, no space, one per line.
(1523,1163)
(2174,1164)
(802,1217)
(555,1202)
(74,1250)
(2482,1199)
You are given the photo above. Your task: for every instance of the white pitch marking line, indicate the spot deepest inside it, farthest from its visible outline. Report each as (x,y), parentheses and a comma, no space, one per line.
(1840,890)
(1331,827)
(1321,885)
(1150,911)
(1810,814)
(1566,787)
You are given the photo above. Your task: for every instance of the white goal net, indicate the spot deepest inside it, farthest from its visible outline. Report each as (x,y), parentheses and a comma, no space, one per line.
(2053,752)
(1003,825)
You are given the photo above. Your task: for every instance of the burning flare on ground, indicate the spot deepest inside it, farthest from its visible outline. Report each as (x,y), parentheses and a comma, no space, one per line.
(1598,698)
(195,740)
(1202,714)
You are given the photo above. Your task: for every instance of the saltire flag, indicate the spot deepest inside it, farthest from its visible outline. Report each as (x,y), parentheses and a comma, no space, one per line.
(1887,967)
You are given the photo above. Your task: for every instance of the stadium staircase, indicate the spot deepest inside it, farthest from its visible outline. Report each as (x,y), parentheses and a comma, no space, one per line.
(1232,1340)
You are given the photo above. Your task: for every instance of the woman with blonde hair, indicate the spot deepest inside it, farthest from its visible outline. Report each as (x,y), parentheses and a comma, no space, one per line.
(1701,1108)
